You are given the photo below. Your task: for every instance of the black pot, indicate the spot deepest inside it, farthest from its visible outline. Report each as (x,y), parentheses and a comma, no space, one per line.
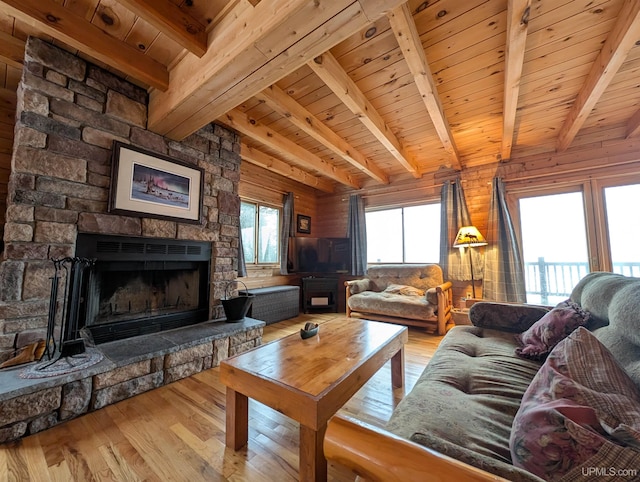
(236,308)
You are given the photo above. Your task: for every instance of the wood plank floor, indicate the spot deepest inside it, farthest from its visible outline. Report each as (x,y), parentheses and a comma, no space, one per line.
(176,432)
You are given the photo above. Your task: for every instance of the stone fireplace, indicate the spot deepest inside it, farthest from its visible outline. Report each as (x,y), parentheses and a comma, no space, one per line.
(69,114)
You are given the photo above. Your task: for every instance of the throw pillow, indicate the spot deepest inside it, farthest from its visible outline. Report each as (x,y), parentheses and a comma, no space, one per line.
(432,296)
(404,290)
(548,331)
(580,411)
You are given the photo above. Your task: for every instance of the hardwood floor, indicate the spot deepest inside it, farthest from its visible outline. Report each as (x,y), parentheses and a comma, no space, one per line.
(176,432)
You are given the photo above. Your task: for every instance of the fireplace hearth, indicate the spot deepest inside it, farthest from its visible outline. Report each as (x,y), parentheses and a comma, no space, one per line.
(139,286)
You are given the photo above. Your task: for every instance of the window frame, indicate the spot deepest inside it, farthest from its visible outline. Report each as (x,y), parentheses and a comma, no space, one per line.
(258,205)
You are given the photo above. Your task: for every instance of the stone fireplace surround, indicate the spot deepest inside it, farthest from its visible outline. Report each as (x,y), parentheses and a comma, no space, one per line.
(69,113)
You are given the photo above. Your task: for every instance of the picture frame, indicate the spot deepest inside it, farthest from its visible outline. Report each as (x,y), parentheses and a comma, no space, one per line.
(304,224)
(148,184)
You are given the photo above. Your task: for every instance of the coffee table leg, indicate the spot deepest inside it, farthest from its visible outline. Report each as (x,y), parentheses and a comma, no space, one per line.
(397,369)
(313,465)
(237,420)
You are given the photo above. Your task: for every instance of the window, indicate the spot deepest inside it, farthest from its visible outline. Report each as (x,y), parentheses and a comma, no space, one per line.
(404,235)
(566,232)
(623,226)
(260,228)
(554,245)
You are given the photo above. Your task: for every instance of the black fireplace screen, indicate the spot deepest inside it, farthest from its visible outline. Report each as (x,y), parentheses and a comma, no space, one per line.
(140,285)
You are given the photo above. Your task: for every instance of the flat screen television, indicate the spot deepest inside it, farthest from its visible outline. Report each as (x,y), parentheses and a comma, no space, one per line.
(319,255)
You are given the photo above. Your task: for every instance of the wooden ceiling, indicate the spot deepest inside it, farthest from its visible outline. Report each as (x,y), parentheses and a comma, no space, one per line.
(343,94)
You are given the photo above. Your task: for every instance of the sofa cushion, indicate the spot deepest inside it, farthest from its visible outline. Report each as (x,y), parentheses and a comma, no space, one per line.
(423,276)
(467,396)
(404,290)
(580,411)
(549,330)
(392,304)
(515,317)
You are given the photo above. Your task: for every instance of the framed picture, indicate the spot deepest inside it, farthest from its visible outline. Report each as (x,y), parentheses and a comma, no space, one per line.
(304,224)
(147,184)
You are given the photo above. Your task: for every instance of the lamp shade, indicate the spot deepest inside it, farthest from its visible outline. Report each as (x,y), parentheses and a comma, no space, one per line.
(469,236)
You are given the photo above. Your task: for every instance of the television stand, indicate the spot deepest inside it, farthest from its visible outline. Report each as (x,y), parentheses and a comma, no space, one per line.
(320,294)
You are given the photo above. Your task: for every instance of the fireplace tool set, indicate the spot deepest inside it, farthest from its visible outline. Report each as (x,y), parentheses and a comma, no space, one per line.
(70,344)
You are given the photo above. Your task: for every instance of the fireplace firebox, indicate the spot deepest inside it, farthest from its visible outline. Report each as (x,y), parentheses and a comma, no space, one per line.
(139,286)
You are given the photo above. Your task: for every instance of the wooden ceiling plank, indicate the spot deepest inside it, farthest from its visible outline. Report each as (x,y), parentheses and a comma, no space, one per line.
(11,50)
(55,20)
(287,107)
(239,121)
(231,56)
(173,22)
(247,74)
(611,57)
(259,158)
(517,22)
(331,72)
(408,39)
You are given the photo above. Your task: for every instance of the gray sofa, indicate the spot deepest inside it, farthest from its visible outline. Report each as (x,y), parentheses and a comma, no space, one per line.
(458,419)
(407,294)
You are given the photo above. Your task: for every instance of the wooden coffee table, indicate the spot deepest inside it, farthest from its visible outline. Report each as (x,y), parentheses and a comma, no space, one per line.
(309,380)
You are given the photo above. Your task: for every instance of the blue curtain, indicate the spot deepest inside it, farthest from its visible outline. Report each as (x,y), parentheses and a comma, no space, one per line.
(286,230)
(453,215)
(242,266)
(357,234)
(504,272)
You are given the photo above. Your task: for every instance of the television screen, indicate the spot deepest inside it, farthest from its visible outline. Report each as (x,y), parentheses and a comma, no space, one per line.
(319,255)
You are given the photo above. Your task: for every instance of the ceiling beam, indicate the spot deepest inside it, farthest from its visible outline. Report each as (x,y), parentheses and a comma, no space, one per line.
(633,125)
(288,149)
(299,116)
(518,12)
(334,76)
(249,50)
(409,41)
(174,22)
(59,22)
(11,50)
(620,41)
(259,158)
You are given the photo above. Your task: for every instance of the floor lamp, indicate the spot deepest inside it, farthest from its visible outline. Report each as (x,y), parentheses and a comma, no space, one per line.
(469,237)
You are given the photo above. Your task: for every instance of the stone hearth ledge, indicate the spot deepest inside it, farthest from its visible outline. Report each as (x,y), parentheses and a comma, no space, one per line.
(129,367)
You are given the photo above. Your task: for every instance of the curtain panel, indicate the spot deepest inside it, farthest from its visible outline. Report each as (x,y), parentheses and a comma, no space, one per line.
(504,272)
(357,234)
(286,230)
(454,214)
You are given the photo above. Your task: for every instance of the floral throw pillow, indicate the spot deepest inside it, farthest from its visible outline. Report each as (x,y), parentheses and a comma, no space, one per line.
(581,410)
(548,331)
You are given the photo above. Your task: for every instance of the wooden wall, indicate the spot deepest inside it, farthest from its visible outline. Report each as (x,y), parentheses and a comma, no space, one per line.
(258,184)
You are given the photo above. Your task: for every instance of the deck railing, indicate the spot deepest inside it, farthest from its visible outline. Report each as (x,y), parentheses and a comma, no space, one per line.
(549,282)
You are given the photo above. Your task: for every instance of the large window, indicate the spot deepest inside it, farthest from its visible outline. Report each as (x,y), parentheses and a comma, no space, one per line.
(554,245)
(568,231)
(623,228)
(404,235)
(260,228)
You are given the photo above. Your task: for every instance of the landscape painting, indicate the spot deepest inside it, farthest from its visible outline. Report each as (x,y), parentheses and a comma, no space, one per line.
(144,183)
(153,185)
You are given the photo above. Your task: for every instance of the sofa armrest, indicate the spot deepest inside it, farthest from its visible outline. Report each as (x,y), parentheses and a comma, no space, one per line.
(379,455)
(358,286)
(513,317)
